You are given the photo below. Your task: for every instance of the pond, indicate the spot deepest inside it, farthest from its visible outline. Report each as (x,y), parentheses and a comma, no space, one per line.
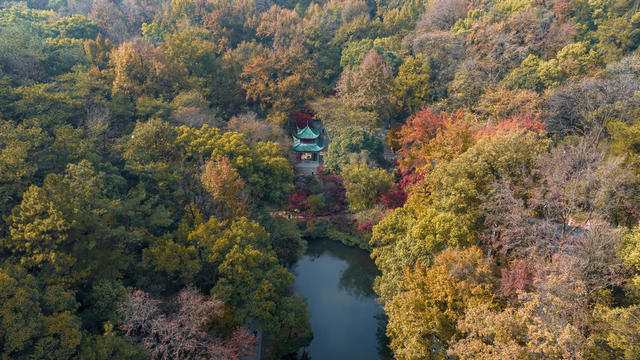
(337,282)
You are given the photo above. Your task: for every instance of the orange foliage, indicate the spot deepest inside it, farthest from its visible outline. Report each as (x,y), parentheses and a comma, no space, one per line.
(429,137)
(226,188)
(526,122)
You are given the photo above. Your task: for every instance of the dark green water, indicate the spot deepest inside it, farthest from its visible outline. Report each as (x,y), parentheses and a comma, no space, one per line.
(337,282)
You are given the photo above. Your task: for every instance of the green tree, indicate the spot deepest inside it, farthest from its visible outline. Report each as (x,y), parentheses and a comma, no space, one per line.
(41,106)
(469,83)
(102,301)
(150,152)
(286,239)
(526,76)
(621,329)
(36,320)
(365,185)
(629,252)
(251,281)
(316,203)
(75,27)
(337,116)
(23,49)
(240,264)
(18,161)
(175,260)
(262,166)
(534,74)
(353,141)
(191,48)
(412,82)
(617,33)
(354,52)
(456,186)
(98,51)
(618,325)
(406,237)
(273,175)
(110,346)
(625,141)
(64,228)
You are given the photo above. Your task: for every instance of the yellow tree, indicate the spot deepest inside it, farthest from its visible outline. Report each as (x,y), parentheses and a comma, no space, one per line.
(143,69)
(424,314)
(226,187)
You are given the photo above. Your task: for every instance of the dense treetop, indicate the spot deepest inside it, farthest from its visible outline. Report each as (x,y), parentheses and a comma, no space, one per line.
(486,152)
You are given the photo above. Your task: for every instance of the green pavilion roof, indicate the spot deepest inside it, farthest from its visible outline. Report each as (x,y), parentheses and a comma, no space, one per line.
(307,148)
(302,147)
(307,133)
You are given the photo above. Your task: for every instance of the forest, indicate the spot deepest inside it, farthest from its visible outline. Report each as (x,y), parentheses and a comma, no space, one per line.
(485,152)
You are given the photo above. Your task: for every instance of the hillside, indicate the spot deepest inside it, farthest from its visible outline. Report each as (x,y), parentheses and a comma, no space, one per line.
(485,152)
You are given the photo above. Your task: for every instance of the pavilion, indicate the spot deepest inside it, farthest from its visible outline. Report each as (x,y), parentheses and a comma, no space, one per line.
(307,143)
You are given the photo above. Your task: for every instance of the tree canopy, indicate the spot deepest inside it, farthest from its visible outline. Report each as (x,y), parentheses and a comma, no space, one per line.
(486,153)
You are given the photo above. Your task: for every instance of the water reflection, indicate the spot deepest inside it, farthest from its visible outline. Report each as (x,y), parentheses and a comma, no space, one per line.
(383,341)
(357,279)
(337,282)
